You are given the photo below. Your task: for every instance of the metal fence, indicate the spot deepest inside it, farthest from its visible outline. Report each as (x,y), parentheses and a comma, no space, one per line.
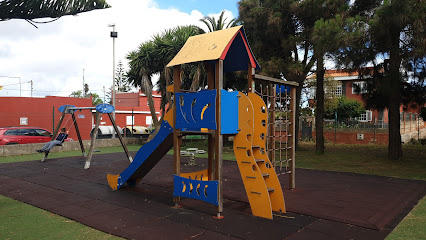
(355,124)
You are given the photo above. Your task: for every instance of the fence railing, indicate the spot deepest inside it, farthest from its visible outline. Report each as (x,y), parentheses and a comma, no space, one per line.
(406,126)
(349,123)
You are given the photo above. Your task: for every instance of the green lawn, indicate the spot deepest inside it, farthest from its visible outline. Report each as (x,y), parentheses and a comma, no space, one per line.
(365,159)
(35,156)
(22,221)
(413,226)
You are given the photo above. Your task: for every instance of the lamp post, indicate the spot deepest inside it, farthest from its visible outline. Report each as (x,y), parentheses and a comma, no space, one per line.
(114,36)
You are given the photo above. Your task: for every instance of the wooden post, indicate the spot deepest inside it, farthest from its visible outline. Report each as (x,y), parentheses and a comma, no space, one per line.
(78,135)
(177,137)
(211,139)
(59,124)
(292,175)
(120,137)
(218,135)
(250,84)
(92,143)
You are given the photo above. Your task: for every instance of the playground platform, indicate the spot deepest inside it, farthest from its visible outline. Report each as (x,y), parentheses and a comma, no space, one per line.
(325,205)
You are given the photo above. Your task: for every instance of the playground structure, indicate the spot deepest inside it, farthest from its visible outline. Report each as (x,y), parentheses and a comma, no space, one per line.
(100,109)
(253,119)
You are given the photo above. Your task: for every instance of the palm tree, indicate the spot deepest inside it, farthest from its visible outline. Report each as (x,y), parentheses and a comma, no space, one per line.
(142,66)
(152,57)
(29,10)
(220,24)
(168,44)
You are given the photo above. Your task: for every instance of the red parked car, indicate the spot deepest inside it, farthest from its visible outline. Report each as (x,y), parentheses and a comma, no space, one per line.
(23,135)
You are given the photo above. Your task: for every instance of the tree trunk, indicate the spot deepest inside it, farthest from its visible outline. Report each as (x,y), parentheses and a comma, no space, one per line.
(148,91)
(394,147)
(196,81)
(319,111)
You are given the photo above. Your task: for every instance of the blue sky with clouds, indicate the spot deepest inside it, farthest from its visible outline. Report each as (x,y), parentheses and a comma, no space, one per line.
(55,55)
(205,7)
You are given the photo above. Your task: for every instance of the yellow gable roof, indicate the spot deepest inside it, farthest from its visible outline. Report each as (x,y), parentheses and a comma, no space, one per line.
(208,46)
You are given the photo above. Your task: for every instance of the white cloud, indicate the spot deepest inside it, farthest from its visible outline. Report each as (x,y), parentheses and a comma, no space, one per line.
(55,54)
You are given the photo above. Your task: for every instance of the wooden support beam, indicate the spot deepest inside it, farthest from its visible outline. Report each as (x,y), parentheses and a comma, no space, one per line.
(218,135)
(59,124)
(210,76)
(177,137)
(120,137)
(275,80)
(292,175)
(92,143)
(211,139)
(78,134)
(250,84)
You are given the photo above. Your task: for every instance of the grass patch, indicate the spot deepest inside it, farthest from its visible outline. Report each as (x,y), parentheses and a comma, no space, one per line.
(365,159)
(22,221)
(39,156)
(413,225)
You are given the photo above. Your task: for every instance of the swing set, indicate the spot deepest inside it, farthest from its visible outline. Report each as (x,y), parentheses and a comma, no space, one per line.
(100,109)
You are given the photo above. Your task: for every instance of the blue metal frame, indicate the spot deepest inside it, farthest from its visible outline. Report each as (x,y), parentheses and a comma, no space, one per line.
(282,89)
(229,112)
(62,108)
(202,190)
(105,108)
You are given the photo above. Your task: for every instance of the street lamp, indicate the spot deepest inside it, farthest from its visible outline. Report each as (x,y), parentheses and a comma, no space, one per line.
(114,36)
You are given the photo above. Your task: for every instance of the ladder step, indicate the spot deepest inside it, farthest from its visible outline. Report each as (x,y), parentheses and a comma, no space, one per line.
(255,146)
(265,174)
(246,162)
(256,192)
(259,160)
(270,189)
(251,177)
(242,147)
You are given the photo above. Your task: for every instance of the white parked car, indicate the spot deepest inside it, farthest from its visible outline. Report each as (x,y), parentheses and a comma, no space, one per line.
(106,131)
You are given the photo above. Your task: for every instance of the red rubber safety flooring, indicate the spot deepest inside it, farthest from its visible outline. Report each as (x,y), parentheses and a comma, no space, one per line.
(325,205)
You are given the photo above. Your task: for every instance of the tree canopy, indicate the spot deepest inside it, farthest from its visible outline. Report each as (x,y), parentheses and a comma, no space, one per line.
(18,9)
(96,100)
(219,24)
(390,36)
(344,107)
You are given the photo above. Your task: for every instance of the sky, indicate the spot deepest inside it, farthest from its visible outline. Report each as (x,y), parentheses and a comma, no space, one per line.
(56,55)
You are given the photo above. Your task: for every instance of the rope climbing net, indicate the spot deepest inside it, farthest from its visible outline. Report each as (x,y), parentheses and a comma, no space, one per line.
(279,100)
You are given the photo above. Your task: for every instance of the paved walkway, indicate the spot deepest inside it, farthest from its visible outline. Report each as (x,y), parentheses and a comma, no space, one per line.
(325,205)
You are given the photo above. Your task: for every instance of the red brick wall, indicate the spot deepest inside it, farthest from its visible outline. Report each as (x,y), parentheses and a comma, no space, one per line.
(39,112)
(125,102)
(351,137)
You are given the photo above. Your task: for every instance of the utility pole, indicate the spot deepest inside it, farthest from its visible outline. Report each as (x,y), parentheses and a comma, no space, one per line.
(31,88)
(84,87)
